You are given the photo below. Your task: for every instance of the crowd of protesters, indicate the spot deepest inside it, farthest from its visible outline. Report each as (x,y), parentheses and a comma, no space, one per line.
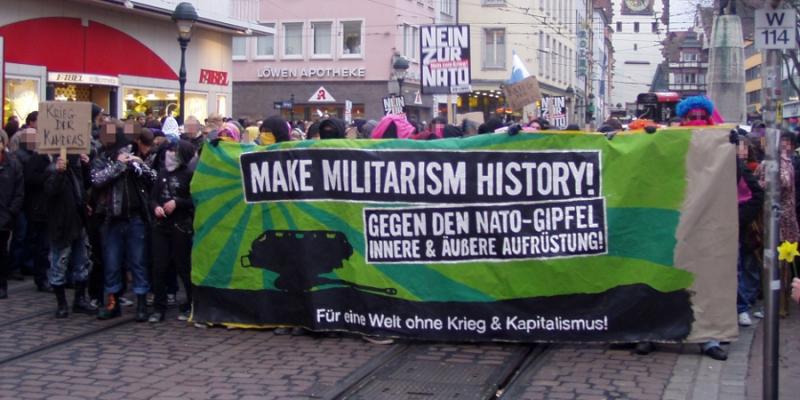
(121,217)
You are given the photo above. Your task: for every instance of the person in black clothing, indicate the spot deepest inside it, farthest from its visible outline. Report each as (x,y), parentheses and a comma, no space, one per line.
(123,182)
(171,204)
(12,193)
(66,221)
(34,167)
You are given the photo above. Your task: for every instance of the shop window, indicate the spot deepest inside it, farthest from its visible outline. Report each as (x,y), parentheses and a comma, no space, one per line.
(162,102)
(222,105)
(494,48)
(293,40)
(322,37)
(352,35)
(239,48)
(21,97)
(265,44)
(411,42)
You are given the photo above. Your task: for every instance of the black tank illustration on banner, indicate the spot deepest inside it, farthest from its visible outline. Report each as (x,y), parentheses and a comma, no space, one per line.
(300,257)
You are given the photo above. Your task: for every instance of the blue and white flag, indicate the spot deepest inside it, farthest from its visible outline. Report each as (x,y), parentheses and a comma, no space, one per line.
(518,70)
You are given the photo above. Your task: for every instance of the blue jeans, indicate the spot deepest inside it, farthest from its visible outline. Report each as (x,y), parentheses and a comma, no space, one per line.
(75,257)
(749,278)
(123,243)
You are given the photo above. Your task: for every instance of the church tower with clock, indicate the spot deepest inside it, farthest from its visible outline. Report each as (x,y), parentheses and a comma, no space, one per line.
(639,29)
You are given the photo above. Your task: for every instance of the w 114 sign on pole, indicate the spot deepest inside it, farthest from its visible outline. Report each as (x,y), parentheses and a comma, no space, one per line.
(445,66)
(775,29)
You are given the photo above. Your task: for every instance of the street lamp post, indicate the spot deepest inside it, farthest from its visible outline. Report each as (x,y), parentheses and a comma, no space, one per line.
(184,16)
(400,66)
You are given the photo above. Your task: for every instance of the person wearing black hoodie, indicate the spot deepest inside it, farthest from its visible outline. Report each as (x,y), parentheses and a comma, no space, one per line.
(34,166)
(332,128)
(171,205)
(66,221)
(12,193)
(123,182)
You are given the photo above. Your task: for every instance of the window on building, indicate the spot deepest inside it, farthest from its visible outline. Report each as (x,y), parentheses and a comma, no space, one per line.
(654,27)
(540,53)
(548,52)
(687,56)
(322,37)
(239,50)
(690,78)
(446,7)
(635,47)
(753,73)
(411,42)
(494,48)
(293,40)
(265,44)
(352,39)
(636,27)
(754,97)
(619,26)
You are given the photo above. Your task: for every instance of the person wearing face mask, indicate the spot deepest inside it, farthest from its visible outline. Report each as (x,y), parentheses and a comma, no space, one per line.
(171,205)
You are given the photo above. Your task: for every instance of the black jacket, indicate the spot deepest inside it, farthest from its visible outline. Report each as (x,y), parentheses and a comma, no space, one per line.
(12,190)
(109,180)
(175,186)
(34,167)
(66,202)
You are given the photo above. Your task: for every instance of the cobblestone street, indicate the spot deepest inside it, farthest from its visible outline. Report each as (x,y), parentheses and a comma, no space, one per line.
(82,358)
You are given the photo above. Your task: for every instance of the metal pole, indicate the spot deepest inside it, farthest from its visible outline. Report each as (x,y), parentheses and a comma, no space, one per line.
(291,110)
(771,82)
(182,77)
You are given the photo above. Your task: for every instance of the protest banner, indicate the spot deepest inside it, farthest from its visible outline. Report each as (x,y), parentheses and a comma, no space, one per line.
(445,59)
(533,237)
(65,127)
(393,105)
(522,93)
(554,110)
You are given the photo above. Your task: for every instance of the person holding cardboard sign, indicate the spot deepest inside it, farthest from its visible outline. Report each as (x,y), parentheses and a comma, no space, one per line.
(66,227)
(12,191)
(123,183)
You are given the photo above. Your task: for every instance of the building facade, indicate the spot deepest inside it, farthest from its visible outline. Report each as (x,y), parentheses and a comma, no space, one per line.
(544,33)
(638,36)
(687,59)
(123,56)
(325,55)
(603,60)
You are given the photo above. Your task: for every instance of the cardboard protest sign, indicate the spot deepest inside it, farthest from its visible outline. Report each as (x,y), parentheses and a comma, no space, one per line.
(445,59)
(476,116)
(64,125)
(533,237)
(522,93)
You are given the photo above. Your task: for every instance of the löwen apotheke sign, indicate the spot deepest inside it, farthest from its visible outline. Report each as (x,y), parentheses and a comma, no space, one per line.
(312,73)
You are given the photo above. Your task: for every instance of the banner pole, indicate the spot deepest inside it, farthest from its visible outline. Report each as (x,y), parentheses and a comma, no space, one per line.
(771,78)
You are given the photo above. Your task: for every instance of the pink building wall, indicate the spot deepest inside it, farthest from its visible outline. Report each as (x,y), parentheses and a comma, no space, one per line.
(383,35)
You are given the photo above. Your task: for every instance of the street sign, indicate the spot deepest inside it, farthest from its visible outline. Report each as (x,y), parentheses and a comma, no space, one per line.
(417,98)
(775,29)
(321,95)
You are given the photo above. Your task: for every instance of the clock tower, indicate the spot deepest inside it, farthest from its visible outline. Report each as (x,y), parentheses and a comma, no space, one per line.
(638,32)
(637,7)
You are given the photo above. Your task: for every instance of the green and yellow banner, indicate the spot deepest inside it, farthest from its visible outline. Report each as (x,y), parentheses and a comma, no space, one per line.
(533,237)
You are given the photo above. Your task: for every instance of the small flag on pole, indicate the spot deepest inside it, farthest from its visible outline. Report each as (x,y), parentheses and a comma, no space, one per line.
(518,70)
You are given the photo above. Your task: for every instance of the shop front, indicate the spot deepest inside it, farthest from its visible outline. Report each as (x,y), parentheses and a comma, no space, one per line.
(124,60)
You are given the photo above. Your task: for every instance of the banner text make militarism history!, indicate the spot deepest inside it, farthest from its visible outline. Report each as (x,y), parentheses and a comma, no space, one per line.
(513,205)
